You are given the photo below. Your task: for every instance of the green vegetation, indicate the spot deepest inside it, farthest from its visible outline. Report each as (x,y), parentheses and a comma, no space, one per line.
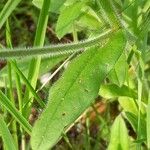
(75,74)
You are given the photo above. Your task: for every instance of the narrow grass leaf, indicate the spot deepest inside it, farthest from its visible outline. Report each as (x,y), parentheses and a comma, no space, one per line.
(14,112)
(6,136)
(31,89)
(36,62)
(7,10)
(46,65)
(148,123)
(75,91)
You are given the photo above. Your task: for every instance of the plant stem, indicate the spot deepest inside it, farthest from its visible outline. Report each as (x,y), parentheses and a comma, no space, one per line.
(39,41)
(139,113)
(11,95)
(53,50)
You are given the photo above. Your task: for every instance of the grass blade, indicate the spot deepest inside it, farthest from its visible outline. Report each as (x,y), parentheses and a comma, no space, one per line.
(39,100)
(6,136)
(148,123)
(7,10)
(39,41)
(14,112)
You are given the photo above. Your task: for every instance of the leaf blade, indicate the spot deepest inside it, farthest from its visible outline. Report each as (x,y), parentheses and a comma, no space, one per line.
(67,18)
(6,136)
(119,135)
(78,87)
(7,10)
(15,113)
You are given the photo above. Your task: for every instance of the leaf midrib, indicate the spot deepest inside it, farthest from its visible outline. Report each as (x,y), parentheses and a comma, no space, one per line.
(68,89)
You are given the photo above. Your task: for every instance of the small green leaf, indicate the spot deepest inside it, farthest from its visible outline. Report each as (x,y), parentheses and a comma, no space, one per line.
(6,136)
(75,91)
(118,74)
(128,104)
(90,20)
(119,135)
(67,18)
(113,91)
(133,120)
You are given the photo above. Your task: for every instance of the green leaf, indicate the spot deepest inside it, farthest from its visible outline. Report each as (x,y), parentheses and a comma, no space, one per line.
(128,104)
(54,6)
(34,67)
(75,91)
(29,86)
(67,18)
(119,135)
(46,65)
(133,120)
(6,136)
(118,74)
(4,101)
(109,91)
(7,10)
(107,12)
(90,20)
(148,122)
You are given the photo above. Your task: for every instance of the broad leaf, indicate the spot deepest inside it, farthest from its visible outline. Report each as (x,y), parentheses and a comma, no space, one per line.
(119,135)
(75,91)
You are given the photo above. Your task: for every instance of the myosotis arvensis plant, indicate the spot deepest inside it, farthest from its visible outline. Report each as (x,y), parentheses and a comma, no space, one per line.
(38,51)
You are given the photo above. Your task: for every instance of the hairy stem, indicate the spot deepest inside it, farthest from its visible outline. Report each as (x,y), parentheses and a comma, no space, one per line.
(54,50)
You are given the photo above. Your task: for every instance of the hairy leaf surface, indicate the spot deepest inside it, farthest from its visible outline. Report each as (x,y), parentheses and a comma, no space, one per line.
(75,91)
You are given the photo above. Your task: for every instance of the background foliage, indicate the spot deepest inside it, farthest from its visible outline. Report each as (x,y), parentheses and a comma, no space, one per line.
(89,92)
